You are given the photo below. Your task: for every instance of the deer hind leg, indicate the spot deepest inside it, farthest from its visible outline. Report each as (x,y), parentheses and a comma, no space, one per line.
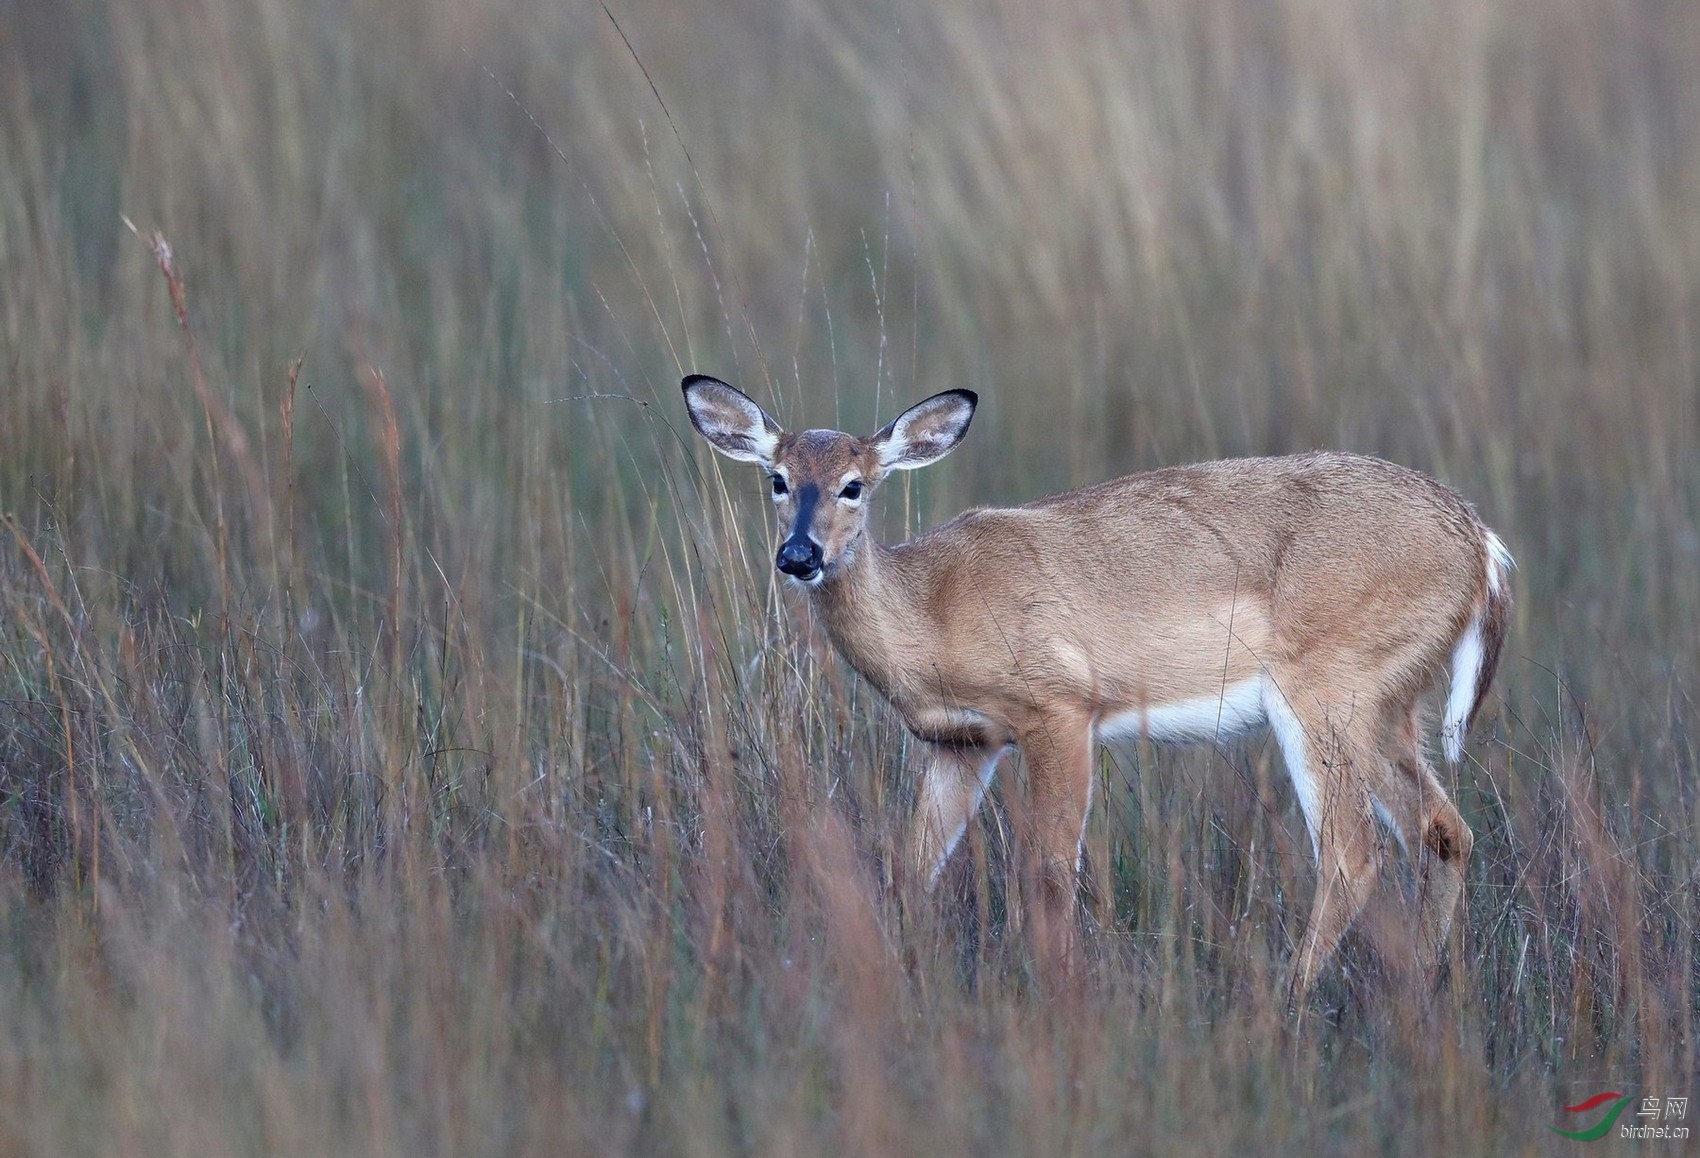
(1059,773)
(1331,760)
(952,786)
(1434,834)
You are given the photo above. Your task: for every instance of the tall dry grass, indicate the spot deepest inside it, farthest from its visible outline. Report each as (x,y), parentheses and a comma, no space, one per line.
(405,748)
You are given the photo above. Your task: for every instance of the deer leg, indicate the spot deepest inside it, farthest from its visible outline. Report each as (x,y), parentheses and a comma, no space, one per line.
(1434,835)
(1329,761)
(1059,772)
(951,788)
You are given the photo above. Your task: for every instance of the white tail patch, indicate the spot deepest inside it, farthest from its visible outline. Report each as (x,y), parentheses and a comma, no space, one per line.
(1468,654)
(1500,564)
(1466,670)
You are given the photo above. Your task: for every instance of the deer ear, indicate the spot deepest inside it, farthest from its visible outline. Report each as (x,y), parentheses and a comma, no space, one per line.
(927,431)
(730,420)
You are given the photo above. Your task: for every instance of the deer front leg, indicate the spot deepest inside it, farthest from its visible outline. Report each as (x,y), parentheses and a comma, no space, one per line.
(1059,773)
(951,788)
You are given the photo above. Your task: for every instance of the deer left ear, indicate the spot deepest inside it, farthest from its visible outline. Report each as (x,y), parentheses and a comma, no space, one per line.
(927,431)
(730,420)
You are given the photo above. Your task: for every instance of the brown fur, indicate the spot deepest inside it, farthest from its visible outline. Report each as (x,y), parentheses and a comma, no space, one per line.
(1342,581)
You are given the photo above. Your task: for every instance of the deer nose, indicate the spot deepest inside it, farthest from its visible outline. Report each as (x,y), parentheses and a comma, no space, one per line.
(799,557)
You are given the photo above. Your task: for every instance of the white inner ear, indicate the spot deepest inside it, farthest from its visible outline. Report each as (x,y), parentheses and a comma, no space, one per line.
(760,441)
(901,452)
(893,449)
(747,438)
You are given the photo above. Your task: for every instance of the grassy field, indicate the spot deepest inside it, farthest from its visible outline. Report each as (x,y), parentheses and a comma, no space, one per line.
(405,746)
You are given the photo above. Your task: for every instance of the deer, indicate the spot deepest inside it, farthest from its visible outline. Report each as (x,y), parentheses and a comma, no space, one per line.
(1318,595)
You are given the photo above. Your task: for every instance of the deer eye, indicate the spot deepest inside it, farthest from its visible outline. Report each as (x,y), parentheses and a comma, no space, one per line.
(852,490)
(779,487)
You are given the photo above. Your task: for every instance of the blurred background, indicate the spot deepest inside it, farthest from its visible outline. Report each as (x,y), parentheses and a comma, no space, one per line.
(1460,237)
(404,745)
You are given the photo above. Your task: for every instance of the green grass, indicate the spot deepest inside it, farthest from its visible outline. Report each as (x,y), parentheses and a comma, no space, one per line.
(418,755)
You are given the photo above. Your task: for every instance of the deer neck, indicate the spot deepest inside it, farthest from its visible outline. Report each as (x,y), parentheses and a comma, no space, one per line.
(869,615)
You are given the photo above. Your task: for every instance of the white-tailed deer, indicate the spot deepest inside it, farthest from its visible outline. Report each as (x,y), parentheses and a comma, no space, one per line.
(1318,594)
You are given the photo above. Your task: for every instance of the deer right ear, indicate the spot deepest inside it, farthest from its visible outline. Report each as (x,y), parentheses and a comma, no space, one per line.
(927,431)
(730,420)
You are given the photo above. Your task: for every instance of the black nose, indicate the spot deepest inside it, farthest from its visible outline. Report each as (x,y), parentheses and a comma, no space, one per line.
(799,557)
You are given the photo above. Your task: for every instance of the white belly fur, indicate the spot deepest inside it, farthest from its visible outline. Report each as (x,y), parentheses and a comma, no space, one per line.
(1236,708)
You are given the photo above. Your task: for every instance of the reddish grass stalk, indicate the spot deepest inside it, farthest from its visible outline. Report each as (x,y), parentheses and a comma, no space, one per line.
(388,441)
(286,412)
(221,423)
